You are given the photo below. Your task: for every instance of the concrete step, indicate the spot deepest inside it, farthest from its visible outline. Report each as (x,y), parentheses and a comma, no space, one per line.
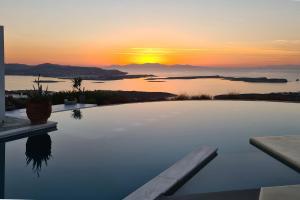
(230,195)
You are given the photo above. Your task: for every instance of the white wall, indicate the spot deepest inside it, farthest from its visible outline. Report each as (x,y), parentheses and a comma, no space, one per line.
(2,88)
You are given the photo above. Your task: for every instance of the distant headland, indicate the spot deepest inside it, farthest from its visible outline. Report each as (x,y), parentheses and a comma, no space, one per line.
(69,71)
(122,72)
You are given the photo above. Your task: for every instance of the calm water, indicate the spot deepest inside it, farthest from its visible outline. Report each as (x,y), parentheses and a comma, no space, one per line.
(200,86)
(113,150)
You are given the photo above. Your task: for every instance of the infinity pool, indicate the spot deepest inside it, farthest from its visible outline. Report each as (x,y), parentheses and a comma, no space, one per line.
(108,152)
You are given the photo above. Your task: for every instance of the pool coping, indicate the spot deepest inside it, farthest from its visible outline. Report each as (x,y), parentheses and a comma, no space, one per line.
(246,194)
(173,177)
(282,148)
(27,130)
(21,113)
(289,192)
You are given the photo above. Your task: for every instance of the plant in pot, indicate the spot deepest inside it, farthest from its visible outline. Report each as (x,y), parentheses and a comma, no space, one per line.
(39,106)
(77,82)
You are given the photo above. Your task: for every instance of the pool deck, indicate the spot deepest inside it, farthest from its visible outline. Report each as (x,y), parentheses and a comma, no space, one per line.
(21,113)
(267,193)
(174,176)
(228,195)
(17,127)
(287,150)
(291,192)
(284,148)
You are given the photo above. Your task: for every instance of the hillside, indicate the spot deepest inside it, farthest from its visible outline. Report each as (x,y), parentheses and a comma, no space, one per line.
(67,71)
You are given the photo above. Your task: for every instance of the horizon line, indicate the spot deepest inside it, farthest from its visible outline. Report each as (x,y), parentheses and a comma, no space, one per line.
(166,65)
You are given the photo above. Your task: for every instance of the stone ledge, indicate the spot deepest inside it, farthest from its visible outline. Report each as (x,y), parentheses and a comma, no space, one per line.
(249,194)
(21,113)
(284,148)
(18,128)
(291,192)
(174,175)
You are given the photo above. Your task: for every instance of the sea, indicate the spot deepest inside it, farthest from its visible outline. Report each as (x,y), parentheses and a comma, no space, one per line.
(189,87)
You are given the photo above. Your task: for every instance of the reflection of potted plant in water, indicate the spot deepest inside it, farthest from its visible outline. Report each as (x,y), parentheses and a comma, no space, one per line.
(38,150)
(39,106)
(76,114)
(77,87)
(70,101)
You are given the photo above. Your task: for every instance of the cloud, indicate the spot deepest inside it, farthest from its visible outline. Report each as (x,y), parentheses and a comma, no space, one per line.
(284,42)
(290,45)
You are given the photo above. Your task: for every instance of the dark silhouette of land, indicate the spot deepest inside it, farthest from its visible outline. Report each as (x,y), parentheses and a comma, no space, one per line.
(107,97)
(99,97)
(257,80)
(243,79)
(283,96)
(69,72)
(121,72)
(48,81)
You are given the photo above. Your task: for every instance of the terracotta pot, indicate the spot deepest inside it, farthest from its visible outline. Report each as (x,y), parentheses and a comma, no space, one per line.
(39,112)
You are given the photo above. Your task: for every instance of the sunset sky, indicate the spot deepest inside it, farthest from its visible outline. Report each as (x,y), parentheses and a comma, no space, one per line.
(197,32)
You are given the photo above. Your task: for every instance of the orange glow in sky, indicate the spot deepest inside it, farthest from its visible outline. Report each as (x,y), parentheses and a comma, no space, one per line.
(145,55)
(231,55)
(202,32)
(148,55)
(235,55)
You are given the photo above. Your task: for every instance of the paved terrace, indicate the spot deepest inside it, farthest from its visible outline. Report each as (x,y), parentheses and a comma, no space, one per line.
(55,108)
(267,193)
(16,123)
(17,127)
(228,195)
(284,148)
(287,150)
(291,192)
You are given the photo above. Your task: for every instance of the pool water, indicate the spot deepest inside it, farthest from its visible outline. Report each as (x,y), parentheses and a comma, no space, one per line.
(108,152)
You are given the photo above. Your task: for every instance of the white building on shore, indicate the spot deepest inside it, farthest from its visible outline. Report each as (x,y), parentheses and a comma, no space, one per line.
(2,76)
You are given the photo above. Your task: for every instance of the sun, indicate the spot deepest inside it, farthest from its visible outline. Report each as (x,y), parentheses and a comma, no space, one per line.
(147,55)
(142,59)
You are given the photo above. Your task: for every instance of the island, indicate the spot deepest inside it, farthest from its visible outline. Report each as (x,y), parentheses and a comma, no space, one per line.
(47,81)
(243,79)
